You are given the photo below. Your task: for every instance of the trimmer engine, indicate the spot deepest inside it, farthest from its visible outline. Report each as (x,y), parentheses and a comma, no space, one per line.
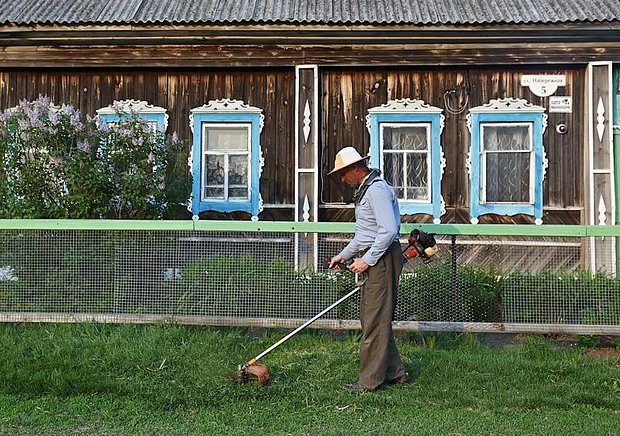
(421,244)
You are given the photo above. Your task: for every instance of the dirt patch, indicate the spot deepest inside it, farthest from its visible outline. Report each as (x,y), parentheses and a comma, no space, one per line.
(603,353)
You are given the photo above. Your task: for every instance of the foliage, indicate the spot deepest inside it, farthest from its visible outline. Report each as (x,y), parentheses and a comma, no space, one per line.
(247,286)
(48,167)
(54,165)
(244,285)
(144,178)
(439,293)
(571,297)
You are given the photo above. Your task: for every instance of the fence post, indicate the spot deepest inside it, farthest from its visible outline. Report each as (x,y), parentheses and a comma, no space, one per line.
(454,286)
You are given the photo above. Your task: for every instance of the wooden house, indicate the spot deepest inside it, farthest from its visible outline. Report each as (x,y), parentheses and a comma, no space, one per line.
(482,112)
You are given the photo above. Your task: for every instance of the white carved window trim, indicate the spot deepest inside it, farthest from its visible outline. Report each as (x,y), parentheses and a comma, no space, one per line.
(226,111)
(155,116)
(408,111)
(510,110)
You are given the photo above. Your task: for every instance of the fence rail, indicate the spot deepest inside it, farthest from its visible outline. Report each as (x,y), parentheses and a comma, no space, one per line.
(486,278)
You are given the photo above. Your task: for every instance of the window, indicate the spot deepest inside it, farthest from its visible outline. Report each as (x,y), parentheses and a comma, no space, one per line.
(226,159)
(507,161)
(405,146)
(156,117)
(405,160)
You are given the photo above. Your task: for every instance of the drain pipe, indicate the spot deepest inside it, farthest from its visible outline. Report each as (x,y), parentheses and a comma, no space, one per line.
(616,132)
(616,145)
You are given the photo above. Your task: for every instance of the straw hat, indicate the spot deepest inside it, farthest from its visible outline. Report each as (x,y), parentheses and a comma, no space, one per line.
(345,157)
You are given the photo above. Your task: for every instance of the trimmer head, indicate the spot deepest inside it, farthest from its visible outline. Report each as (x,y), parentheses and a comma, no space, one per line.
(255,369)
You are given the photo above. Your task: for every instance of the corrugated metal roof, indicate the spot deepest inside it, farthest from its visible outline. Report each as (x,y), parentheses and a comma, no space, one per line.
(416,12)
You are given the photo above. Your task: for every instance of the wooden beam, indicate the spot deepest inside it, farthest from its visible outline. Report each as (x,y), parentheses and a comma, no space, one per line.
(284,55)
(290,323)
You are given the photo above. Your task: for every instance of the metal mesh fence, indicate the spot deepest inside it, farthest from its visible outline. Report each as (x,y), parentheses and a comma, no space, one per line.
(474,283)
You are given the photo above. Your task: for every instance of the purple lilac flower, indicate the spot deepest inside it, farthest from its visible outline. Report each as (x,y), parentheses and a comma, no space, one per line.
(24,124)
(84,146)
(117,106)
(53,117)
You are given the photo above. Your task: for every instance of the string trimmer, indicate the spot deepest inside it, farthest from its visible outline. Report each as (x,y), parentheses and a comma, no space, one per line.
(259,370)
(424,247)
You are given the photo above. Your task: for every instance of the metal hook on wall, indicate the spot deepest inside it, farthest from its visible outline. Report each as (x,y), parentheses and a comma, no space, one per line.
(452,109)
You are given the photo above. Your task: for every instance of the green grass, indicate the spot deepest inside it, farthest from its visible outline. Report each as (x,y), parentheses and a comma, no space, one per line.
(178,380)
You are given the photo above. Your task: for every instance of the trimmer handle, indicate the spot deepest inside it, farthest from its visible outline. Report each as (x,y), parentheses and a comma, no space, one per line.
(339,266)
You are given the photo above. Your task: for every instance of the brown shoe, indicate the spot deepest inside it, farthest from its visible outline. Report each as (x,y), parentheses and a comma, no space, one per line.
(401,380)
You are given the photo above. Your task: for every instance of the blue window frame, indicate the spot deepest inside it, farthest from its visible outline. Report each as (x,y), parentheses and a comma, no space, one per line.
(507,160)
(155,116)
(226,159)
(405,144)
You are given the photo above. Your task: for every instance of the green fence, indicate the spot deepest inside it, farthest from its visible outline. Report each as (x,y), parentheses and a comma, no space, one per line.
(485,278)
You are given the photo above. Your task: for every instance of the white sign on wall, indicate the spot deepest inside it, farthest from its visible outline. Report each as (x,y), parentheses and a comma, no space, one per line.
(561,104)
(543,85)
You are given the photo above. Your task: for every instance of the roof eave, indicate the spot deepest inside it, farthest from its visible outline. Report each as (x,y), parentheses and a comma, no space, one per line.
(302,34)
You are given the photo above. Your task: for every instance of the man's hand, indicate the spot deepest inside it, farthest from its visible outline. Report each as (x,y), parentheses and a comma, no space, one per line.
(333,263)
(359,265)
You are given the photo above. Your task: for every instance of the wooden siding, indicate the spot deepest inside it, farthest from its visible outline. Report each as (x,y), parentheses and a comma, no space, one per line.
(350,93)
(346,95)
(178,91)
(283,55)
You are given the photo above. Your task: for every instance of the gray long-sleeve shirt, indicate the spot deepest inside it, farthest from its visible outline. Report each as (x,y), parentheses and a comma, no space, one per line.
(377,223)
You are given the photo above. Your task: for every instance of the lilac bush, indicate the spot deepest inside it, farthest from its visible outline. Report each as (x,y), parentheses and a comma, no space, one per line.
(47,163)
(139,162)
(54,165)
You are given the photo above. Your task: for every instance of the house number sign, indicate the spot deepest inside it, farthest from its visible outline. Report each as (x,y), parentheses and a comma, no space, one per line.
(543,85)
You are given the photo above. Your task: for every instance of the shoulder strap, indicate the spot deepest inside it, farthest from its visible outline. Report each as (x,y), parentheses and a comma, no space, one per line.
(361,191)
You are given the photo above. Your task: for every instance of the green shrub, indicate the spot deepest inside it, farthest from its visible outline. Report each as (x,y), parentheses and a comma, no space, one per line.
(54,165)
(246,286)
(144,177)
(47,163)
(440,293)
(573,297)
(79,277)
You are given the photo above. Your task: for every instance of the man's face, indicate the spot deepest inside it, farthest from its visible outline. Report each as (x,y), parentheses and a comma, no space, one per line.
(350,176)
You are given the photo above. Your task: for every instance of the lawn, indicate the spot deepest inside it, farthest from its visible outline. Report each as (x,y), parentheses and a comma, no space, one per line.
(179,380)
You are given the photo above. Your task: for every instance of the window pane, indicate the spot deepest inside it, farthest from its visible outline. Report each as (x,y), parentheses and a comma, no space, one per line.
(238,170)
(213,176)
(238,193)
(238,176)
(393,172)
(506,138)
(405,138)
(227,139)
(214,169)
(211,192)
(417,176)
(152,126)
(508,177)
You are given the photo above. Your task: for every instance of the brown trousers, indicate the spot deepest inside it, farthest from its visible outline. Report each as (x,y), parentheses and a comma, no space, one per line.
(379,357)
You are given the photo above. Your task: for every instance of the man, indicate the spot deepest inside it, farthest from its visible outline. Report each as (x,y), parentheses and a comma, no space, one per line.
(376,251)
